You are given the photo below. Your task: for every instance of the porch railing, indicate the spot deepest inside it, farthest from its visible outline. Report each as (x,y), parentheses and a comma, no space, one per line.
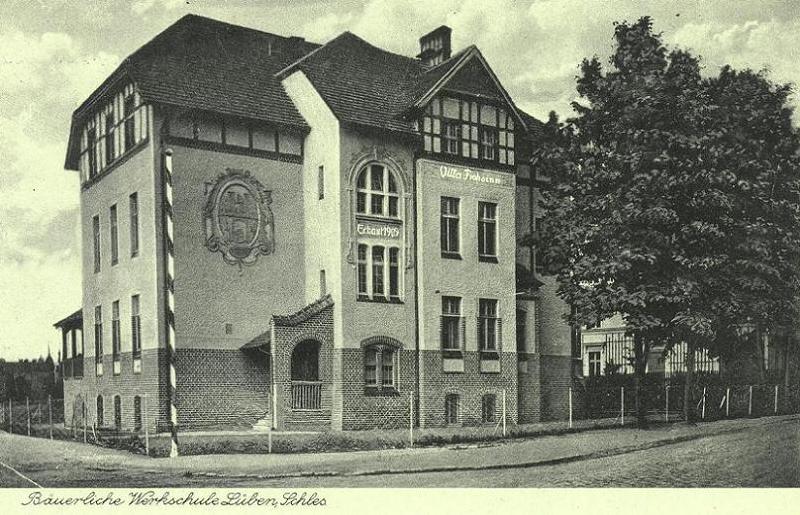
(306,395)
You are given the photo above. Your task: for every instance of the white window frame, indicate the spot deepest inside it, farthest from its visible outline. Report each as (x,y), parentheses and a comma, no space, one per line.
(369,264)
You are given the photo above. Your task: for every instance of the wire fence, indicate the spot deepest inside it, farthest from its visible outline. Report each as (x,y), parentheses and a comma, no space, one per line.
(407,420)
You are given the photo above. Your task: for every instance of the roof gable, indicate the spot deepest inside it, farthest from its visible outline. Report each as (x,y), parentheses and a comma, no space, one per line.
(474,79)
(470,65)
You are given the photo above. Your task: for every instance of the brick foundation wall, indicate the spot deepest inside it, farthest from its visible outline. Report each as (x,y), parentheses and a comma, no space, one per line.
(470,385)
(529,389)
(150,382)
(556,378)
(221,387)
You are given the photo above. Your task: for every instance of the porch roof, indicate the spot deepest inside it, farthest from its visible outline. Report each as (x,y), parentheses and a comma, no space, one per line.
(262,340)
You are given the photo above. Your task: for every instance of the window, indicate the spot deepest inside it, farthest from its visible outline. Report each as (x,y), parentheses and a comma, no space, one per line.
(487,231)
(451,408)
(137,413)
(377,193)
(114,235)
(371,367)
(228,328)
(378,272)
(96,231)
(522,325)
(451,138)
(594,364)
(117,412)
(136,327)
(100,421)
(489,408)
(133,208)
(113,129)
(451,323)
(129,108)
(450,226)
(380,367)
(109,138)
(469,129)
(488,325)
(115,334)
(321,182)
(91,151)
(322,285)
(98,338)
(362,270)
(394,273)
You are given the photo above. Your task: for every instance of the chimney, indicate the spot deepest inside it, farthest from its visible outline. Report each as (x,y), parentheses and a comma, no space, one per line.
(434,47)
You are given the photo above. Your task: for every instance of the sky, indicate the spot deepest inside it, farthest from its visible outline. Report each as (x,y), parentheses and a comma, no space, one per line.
(53,53)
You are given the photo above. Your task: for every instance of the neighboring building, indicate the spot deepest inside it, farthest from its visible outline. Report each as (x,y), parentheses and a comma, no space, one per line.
(308,235)
(607,350)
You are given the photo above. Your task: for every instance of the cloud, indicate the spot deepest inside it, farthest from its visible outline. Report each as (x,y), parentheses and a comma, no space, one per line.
(140,7)
(771,44)
(42,78)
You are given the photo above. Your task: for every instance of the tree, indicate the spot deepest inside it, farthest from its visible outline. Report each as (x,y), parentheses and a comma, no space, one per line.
(674,200)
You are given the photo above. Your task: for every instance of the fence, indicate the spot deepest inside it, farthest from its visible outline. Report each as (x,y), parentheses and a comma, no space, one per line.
(46,419)
(665,403)
(440,416)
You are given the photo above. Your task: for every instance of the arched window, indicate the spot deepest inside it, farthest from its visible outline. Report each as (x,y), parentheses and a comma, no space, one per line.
(137,413)
(100,411)
(117,412)
(488,408)
(377,192)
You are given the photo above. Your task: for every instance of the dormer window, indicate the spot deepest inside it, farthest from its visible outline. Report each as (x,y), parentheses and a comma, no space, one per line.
(469,129)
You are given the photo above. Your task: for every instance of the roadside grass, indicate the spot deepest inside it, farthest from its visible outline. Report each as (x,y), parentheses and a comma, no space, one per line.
(345,441)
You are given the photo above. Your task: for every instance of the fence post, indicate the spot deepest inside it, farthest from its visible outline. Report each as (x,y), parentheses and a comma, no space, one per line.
(728,402)
(704,403)
(145,419)
(50,414)
(84,423)
(504,410)
(411,418)
(622,405)
(750,403)
(776,399)
(570,407)
(666,404)
(28,410)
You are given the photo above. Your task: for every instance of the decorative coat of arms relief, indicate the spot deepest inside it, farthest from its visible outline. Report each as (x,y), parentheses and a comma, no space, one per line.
(238,219)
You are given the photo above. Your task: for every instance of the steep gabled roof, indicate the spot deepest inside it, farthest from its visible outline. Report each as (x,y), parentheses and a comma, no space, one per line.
(200,63)
(366,85)
(361,83)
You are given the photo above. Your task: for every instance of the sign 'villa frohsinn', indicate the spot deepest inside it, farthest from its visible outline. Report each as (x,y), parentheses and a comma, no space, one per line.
(472,176)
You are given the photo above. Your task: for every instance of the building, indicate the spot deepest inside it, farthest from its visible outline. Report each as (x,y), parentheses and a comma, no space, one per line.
(307,236)
(756,357)
(608,350)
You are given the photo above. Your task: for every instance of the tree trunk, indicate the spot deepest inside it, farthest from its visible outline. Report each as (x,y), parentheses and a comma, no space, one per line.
(758,348)
(688,408)
(787,342)
(640,347)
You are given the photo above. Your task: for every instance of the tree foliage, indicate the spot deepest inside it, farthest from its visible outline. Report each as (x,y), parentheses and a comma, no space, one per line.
(674,198)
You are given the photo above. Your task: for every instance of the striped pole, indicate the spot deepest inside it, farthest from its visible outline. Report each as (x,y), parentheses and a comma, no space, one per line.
(169,251)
